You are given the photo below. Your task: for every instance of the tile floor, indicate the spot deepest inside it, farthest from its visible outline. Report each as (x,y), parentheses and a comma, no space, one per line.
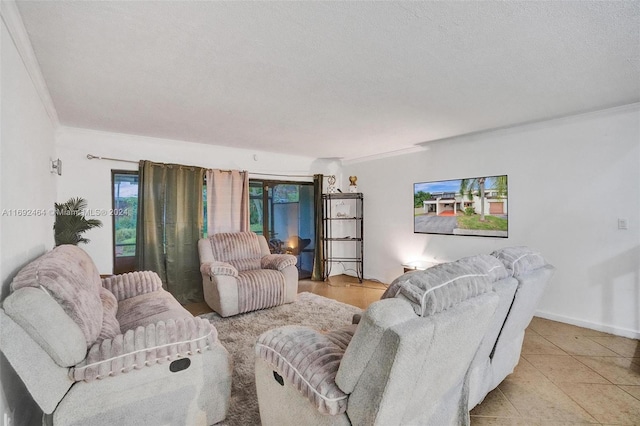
(567,375)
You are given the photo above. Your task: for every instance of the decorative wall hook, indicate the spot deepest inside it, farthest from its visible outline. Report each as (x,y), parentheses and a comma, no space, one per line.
(56,166)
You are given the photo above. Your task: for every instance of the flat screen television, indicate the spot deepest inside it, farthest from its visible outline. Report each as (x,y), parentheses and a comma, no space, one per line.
(472,206)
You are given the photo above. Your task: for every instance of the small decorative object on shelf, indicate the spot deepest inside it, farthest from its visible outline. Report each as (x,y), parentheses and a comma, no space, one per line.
(342,209)
(353,187)
(331,189)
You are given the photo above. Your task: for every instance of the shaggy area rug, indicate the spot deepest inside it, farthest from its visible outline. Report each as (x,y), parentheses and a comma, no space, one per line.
(239,334)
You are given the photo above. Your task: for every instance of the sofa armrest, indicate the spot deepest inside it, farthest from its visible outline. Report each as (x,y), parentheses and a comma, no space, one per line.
(132,284)
(277,261)
(146,346)
(378,317)
(211,269)
(309,360)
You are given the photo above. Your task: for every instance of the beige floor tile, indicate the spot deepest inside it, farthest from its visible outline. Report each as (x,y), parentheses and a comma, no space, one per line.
(618,370)
(547,423)
(606,403)
(631,390)
(621,345)
(546,327)
(580,345)
(345,289)
(198,308)
(498,421)
(536,344)
(564,368)
(542,400)
(495,405)
(526,372)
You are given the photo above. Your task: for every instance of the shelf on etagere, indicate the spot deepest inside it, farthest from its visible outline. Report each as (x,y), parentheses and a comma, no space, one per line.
(343,214)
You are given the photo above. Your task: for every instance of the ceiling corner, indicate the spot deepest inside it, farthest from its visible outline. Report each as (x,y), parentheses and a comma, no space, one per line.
(13,21)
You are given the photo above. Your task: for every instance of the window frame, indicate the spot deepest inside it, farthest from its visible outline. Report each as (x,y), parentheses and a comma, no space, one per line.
(115,172)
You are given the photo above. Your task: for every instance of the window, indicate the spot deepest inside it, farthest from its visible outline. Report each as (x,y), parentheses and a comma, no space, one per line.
(283,213)
(125,209)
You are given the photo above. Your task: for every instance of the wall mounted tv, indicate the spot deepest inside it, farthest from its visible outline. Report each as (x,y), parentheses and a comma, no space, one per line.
(473,206)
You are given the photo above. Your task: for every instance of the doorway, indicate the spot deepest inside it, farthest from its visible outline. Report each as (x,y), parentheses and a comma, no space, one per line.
(283,212)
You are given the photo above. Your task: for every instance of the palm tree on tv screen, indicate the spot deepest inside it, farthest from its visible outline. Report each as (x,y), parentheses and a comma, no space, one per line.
(469,186)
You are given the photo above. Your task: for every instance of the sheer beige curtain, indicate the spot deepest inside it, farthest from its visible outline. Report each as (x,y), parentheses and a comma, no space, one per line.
(227,201)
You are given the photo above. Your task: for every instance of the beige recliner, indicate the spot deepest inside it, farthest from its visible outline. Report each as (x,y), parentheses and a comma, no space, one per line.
(239,273)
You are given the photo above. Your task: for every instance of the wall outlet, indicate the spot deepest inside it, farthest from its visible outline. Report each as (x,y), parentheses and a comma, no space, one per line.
(623,223)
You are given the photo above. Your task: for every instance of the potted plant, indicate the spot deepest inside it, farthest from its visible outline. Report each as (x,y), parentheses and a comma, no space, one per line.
(71,222)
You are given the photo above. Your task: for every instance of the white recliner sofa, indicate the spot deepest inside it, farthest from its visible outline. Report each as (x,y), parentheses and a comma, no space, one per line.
(113,351)
(430,350)
(405,362)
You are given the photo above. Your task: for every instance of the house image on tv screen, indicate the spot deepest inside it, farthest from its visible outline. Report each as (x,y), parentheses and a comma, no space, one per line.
(473,206)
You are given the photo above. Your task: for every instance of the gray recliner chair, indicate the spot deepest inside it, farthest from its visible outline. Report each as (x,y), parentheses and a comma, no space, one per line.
(239,273)
(405,362)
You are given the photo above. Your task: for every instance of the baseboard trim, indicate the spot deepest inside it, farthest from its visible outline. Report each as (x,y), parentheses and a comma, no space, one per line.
(624,332)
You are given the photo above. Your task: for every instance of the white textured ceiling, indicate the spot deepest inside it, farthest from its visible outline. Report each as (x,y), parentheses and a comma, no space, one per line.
(331,79)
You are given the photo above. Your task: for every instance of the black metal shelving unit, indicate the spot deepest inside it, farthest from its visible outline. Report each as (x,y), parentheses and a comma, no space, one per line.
(350,232)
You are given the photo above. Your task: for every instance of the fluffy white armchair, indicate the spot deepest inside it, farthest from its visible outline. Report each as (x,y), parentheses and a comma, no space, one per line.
(115,351)
(239,273)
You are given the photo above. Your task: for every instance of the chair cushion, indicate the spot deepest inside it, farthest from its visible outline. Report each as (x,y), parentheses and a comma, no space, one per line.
(218,268)
(69,275)
(277,261)
(149,308)
(486,264)
(145,346)
(309,361)
(259,289)
(520,260)
(439,287)
(132,284)
(49,326)
(110,324)
(240,249)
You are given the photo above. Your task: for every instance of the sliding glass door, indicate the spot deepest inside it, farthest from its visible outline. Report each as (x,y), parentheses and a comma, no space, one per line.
(283,213)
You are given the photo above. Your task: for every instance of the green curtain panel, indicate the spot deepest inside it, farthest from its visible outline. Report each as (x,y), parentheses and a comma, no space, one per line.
(170,221)
(318,264)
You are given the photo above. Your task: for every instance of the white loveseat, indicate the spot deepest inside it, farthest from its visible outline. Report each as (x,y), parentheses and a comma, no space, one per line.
(119,350)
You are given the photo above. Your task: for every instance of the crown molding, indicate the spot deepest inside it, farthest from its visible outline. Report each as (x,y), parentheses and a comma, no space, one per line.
(13,21)
(409,150)
(540,124)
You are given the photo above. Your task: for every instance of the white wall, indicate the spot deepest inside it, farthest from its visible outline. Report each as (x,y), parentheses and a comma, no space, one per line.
(27,145)
(569,182)
(27,183)
(91,179)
